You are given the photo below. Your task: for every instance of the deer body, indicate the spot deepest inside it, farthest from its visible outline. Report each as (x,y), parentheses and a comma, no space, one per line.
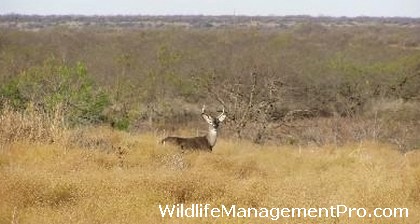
(206,142)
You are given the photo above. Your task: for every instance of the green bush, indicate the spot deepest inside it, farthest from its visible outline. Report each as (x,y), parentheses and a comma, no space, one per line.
(121,123)
(55,84)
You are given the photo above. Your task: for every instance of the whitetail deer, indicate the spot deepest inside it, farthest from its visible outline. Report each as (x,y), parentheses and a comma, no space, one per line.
(205,142)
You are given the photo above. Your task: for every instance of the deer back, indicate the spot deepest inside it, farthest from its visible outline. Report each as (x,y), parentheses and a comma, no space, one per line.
(196,143)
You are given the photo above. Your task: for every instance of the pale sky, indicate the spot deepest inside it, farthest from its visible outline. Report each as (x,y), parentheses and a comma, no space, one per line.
(401,8)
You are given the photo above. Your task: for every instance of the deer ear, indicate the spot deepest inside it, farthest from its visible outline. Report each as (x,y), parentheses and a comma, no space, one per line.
(221,118)
(206,117)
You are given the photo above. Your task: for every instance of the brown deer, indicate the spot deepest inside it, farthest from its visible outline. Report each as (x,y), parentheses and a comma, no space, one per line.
(205,142)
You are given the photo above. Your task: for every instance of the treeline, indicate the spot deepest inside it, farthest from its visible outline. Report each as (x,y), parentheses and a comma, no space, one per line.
(307,84)
(36,22)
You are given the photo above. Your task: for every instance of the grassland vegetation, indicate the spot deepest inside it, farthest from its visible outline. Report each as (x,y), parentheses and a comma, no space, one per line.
(104,175)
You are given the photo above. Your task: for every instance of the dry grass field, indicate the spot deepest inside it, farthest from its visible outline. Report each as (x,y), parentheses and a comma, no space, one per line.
(99,175)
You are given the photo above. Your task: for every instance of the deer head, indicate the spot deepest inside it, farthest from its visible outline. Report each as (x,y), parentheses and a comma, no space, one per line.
(213,122)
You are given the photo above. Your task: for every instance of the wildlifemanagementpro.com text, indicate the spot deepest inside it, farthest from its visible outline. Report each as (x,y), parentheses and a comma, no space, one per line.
(209,211)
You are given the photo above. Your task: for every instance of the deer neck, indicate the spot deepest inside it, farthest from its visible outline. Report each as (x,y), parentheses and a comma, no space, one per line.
(212,136)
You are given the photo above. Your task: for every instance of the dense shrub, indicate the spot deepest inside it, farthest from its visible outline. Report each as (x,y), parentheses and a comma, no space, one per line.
(54,84)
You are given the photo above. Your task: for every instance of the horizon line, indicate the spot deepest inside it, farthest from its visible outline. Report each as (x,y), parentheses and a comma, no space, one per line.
(209,15)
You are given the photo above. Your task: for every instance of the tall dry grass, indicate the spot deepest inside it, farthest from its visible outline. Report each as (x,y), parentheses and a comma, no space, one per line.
(30,124)
(50,174)
(106,176)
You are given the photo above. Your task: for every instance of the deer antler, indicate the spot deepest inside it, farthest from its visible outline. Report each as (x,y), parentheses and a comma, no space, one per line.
(223,112)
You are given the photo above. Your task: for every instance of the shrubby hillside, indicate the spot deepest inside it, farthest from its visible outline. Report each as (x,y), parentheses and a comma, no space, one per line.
(302,81)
